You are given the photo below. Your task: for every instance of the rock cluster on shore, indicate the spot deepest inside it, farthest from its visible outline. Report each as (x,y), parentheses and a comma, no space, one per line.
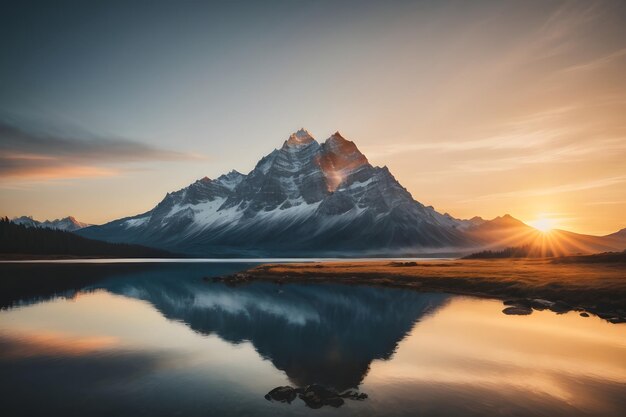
(525,306)
(314,395)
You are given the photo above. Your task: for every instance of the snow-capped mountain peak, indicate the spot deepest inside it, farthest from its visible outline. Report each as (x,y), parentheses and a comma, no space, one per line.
(304,197)
(69,223)
(230,180)
(300,138)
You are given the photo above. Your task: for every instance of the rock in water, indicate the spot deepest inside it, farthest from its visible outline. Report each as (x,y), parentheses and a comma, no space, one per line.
(517,311)
(284,394)
(314,396)
(560,307)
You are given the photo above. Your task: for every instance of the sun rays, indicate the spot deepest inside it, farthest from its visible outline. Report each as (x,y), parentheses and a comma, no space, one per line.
(544,239)
(543,224)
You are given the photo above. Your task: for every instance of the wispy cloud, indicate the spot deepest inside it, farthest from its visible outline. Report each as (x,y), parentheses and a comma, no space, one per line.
(569,153)
(597,62)
(28,155)
(564,188)
(606,203)
(552,135)
(506,141)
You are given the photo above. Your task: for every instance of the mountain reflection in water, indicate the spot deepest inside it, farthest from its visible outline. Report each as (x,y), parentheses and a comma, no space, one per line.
(325,334)
(157,339)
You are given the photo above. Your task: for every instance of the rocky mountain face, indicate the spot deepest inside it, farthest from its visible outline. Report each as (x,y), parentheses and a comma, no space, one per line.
(312,199)
(304,198)
(69,224)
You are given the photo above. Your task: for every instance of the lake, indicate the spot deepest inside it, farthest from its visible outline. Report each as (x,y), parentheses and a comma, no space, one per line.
(156,339)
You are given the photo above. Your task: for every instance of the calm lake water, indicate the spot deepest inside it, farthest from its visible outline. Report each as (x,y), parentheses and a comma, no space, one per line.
(156,339)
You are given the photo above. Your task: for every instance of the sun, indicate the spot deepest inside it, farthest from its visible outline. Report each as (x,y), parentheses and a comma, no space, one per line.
(543,224)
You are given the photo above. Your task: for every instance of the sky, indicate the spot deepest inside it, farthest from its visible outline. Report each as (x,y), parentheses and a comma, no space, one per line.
(477,108)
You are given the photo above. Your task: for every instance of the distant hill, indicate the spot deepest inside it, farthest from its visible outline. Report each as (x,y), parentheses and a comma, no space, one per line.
(16,239)
(620,235)
(505,233)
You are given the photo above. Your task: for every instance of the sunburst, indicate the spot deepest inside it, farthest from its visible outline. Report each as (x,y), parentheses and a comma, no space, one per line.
(543,224)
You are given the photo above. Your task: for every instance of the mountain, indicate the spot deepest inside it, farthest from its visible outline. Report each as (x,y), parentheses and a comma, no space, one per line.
(69,223)
(306,199)
(325,334)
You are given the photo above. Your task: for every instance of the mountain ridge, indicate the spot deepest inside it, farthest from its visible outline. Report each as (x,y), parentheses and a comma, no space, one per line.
(68,223)
(303,199)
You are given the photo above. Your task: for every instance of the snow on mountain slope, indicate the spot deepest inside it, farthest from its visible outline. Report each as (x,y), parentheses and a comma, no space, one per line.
(69,223)
(303,198)
(27,221)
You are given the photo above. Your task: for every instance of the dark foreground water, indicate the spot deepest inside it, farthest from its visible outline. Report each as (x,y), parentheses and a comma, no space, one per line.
(156,339)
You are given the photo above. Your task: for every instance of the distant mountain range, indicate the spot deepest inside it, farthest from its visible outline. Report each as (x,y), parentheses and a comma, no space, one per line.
(318,199)
(69,224)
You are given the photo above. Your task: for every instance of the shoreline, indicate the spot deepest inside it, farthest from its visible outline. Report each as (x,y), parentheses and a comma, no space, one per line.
(26,259)
(597,288)
(31,257)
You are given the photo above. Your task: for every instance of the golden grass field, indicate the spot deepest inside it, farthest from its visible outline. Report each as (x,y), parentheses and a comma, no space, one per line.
(599,288)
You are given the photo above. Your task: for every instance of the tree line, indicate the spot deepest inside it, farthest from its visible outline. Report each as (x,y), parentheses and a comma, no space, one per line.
(526,251)
(20,239)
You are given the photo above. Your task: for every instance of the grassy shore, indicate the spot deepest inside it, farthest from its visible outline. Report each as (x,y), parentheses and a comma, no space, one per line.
(598,288)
